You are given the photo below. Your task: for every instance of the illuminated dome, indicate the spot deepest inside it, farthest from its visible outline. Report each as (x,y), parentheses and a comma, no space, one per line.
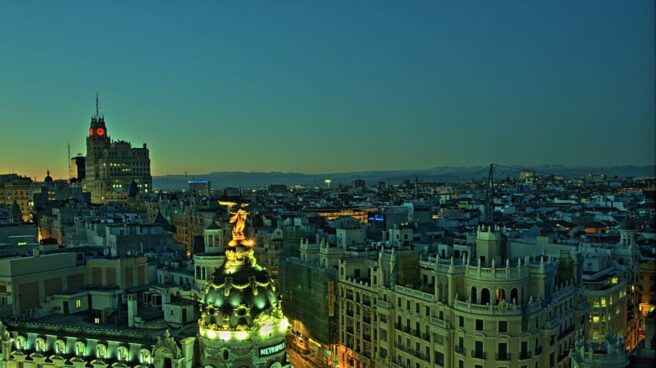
(241,318)
(239,297)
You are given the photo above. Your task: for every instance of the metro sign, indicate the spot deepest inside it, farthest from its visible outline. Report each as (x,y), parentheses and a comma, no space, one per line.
(270,350)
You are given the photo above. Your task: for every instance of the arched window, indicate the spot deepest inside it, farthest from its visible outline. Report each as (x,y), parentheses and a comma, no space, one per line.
(40,344)
(122,353)
(514,297)
(60,347)
(485,296)
(20,342)
(79,348)
(101,351)
(473,295)
(144,356)
(500,295)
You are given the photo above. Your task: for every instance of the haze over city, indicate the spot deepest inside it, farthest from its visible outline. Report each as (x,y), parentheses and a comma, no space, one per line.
(327,184)
(317,87)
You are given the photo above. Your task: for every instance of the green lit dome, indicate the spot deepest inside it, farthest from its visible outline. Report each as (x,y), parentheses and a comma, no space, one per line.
(240,300)
(236,296)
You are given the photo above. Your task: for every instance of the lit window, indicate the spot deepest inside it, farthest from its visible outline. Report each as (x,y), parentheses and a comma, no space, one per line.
(96,320)
(78,303)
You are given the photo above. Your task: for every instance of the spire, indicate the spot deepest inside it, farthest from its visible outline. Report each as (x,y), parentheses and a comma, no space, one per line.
(97,106)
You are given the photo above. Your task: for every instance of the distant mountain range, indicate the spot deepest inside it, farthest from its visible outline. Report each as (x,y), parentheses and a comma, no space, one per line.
(436,174)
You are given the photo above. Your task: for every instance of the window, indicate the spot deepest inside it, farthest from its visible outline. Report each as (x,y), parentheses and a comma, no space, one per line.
(78,303)
(503,326)
(461,321)
(479,325)
(96,320)
(439,358)
(502,351)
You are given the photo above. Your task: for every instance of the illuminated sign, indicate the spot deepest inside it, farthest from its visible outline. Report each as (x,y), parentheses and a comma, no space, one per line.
(376,218)
(20,244)
(270,350)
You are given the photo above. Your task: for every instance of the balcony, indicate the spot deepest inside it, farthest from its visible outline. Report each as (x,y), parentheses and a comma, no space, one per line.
(422,356)
(459,350)
(488,309)
(503,357)
(478,354)
(525,355)
(538,350)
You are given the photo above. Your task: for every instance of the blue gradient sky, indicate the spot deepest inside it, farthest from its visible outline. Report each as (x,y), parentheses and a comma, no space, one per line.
(330,86)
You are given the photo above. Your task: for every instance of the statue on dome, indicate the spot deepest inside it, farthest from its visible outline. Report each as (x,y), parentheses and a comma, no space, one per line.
(239,219)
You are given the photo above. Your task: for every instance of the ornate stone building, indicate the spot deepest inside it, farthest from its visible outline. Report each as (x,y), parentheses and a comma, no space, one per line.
(241,323)
(113,167)
(477,311)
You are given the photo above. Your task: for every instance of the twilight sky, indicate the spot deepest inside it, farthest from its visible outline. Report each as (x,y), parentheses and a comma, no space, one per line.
(327,86)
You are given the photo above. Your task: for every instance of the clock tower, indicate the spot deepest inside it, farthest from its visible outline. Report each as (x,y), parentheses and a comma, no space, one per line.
(97,140)
(114,168)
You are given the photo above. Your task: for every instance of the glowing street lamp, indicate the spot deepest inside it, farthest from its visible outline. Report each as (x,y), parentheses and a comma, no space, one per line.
(328,181)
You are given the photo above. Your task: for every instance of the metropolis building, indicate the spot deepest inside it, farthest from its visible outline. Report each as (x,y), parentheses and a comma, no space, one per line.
(113,169)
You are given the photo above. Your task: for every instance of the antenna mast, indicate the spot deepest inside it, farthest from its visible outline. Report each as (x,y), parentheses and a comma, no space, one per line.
(489,196)
(69,162)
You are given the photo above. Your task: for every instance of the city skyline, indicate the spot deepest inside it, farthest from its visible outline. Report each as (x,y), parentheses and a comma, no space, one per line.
(327,88)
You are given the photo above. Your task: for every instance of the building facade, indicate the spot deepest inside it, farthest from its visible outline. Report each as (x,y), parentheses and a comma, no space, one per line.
(478,311)
(112,166)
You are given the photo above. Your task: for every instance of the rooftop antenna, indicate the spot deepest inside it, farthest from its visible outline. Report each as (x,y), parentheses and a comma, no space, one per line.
(69,162)
(489,196)
(416,184)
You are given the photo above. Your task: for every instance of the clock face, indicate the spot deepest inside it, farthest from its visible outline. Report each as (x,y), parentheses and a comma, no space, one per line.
(100,131)
(90,131)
